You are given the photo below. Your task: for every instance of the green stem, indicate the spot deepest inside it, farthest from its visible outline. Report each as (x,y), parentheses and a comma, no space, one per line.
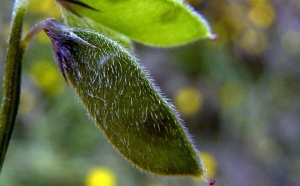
(12,78)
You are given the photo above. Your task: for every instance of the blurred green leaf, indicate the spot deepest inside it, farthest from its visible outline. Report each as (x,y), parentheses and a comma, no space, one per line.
(159,23)
(75,21)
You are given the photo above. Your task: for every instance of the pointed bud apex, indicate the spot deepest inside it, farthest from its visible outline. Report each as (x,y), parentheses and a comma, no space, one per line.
(212,182)
(213,37)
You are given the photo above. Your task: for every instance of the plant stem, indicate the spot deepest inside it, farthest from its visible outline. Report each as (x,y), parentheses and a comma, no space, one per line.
(12,78)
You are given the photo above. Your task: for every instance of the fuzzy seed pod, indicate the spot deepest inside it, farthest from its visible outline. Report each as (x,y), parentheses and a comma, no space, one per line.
(123,101)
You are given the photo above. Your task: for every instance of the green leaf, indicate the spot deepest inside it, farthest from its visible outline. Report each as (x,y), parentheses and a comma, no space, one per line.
(73,20)
(123,101)
(159,23)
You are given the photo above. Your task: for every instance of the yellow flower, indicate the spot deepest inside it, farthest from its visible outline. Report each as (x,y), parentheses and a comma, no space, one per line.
(48,77)
(253,41)
(262,15)
(188,101)
(45,7)
(210,164)
(101,176)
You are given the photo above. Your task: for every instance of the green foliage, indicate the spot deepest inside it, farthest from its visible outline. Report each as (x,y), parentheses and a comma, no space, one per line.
(159,23)
(73,20)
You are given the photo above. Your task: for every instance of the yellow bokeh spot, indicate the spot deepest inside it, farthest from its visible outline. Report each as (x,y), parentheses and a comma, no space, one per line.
(101,177)
(27,102)
(229,28)
(232,95)
(210,164)
(46,7)
(48,77)
(255,2)
(188,101)
(254,42)
(291,42)
(262,15)
(234,20)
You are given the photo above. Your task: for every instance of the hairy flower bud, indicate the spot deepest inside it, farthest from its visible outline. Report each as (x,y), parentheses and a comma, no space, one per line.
(123,101)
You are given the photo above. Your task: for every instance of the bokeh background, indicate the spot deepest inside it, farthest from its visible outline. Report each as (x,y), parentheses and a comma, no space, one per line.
(239,97)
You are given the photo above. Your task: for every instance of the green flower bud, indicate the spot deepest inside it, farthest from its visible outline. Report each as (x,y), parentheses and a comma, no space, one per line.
(123,101)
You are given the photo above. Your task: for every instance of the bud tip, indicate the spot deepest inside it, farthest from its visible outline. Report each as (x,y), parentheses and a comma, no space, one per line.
(213,37)
(212,182)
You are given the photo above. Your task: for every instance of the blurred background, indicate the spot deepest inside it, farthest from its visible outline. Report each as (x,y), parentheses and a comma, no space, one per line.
(239,97)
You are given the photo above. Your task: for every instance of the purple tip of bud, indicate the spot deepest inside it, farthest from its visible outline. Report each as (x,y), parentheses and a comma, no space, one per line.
(212,182)
(213,37)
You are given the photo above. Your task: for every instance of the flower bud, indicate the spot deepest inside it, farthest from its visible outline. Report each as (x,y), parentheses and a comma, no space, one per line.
(123,101)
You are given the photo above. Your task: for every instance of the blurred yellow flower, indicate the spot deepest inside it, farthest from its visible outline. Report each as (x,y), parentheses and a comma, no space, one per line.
(101,176)
(254,2)
(262,15)
(210,164)
(46,7)
(253,41)
(188,101)
(48,77)
(229,27)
